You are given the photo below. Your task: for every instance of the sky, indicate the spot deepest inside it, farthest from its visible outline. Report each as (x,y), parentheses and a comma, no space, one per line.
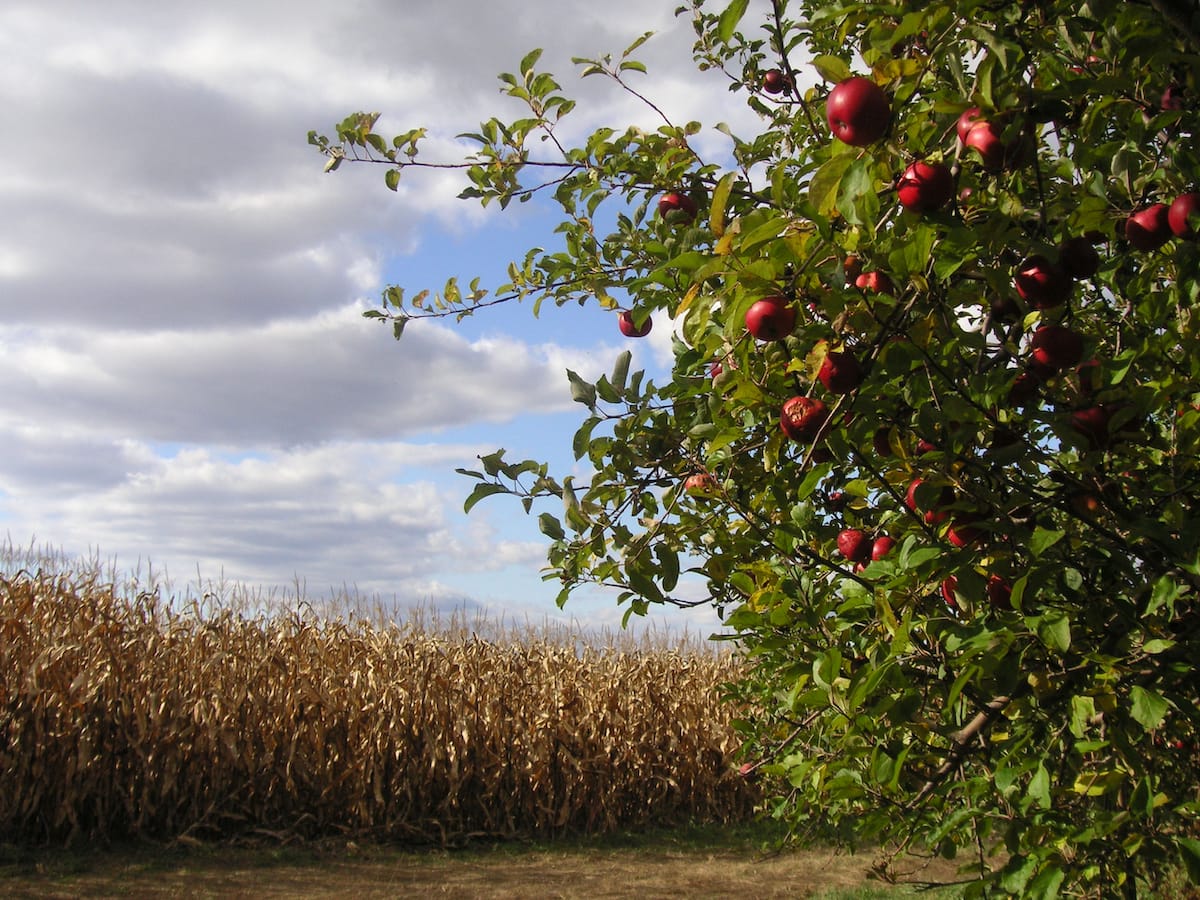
(186,380)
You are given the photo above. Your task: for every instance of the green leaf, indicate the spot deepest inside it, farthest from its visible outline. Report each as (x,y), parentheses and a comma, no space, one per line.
(1189,852)
(720,198)
(826,183)
(1147,707)
(1043,539)
(1054,630)
(581,391)
(551,527)
(1039,787)
(730,18)
(529,61)
(621,371)
(486,489)
(831,68)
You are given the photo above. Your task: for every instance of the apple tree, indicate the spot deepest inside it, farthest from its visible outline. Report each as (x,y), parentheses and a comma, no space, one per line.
(931,439)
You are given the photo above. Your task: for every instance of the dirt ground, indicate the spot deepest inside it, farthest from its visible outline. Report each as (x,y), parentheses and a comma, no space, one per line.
(360,873)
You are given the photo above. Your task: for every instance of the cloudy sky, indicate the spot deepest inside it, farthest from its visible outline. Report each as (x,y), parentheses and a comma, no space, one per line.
(185,376)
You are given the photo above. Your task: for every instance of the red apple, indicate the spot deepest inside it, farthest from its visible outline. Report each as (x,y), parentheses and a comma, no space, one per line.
(852,266)
(1086,505)
(1078,257)
(1092,423)
(801,418)
(1025,388)
(1041,283)
(775,81)
(700,484)
(629,327)
(985,138)
(771,319)
(677,208)
(925,187)
(1183,214)
(854,544)
(950,594)
(882,547)
(1172,97)
(858,111)
(963,534)
(882,441)
(932,511)
(1149,228)
(969,118)
(1056,347)
(999,592)
(840,372)
(877,282)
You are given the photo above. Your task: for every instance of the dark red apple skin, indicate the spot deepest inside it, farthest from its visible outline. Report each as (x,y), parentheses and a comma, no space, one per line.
(1149,228)
(1041,283)
(969,119)
(1091,422)
(852,266)
(964,534)
(858,111)
(774,81)
(802,418)
(999,592)
(771,319)
(700,483)
(934,514)
(882,547)
(882,441)
(1026,389)
(925,187)
(1056,347)
(949,584)
(629,328)
(840,373)
(1182,215)
(1078,257)
(876,282)
(677,208)
(854,544)
(986,139)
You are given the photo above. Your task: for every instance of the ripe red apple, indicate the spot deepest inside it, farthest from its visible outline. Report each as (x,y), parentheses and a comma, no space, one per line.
(858,111)
(1025,388)
(801,418)
(1092,423)
(1078,257)
(840,372)
(963,534)
(925,187)
(1183,214)
(986,139)
(969,118)
(1041,283)
(932,510)
(877,282)
(950,594)
(1172,97)
(629,327)
(999,592)
(700,484)
(837,501)
(1149,228)
(854,544)
(852,266)
(677,208)
(775,81)
(882,441)
(1056,347)
(771,319)
(882,547)
(1086,505)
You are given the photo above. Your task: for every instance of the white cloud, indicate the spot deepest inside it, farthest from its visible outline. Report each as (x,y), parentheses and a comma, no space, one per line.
(187,375)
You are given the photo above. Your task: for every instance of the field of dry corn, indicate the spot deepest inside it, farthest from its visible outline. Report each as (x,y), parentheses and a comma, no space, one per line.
(123,716)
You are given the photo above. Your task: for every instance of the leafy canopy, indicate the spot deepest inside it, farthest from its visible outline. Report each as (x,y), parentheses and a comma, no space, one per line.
(1003,379)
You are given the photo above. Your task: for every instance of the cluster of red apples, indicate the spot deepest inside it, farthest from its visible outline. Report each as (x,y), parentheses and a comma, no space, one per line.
(858,112)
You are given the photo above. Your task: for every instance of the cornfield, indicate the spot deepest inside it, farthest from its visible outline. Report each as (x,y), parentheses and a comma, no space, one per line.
(123,715)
